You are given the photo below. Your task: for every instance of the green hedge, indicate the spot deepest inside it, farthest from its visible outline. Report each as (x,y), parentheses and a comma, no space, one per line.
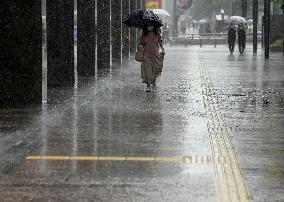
(278,42)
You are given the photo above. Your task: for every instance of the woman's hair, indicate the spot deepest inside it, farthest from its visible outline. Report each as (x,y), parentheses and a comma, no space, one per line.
(146,31)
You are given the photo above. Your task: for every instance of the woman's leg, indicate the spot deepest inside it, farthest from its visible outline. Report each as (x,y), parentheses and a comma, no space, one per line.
(244,45)
(148,89)
(150,77)
(154,85)
(230,47)
(143,72)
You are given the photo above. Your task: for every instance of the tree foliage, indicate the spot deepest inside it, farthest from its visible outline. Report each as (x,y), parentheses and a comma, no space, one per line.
(205,8)
(277,1)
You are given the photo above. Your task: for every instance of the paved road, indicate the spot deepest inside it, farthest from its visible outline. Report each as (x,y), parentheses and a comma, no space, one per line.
(212,131)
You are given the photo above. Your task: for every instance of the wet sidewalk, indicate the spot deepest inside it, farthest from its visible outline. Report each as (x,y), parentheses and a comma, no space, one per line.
(212,131)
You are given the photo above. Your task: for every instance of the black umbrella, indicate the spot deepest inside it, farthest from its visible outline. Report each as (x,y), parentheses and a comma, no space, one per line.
(140,18)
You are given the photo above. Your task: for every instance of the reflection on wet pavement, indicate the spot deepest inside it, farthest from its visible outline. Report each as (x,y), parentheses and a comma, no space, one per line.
(211,132)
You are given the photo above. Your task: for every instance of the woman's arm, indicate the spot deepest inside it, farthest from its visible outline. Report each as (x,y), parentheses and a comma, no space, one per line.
(141,41)
(161,44)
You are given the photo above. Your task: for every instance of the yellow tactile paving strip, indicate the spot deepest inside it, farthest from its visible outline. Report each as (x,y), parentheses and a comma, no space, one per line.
(181,159)
(229,178)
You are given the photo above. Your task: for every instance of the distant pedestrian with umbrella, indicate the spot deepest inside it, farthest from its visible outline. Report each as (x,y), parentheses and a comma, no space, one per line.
(232,37)
(241,37)
(151,42)
(242,25)
(165,33)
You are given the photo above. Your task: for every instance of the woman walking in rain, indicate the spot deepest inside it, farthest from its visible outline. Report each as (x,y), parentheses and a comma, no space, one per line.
(152,65)
(231,37)
(241,37)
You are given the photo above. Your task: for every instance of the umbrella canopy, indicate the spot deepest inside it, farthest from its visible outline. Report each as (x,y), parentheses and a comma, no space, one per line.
(161,12)
(202,21)
(219,17)
(135,19)
(140,18)
(250,22)
(237,19)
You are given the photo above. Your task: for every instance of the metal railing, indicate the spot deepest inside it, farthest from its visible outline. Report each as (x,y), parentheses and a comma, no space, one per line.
(206,38)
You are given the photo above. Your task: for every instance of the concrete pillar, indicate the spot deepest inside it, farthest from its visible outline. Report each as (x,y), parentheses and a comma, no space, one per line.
(116,26)
(267,28)
(86,38)
(133,34)
(244,8)
(20,52)
(103,34)
(125,30)
(138,31)
(60,42)
(143,4)
(138,4)
(255,20)
(282,8)
(175,20)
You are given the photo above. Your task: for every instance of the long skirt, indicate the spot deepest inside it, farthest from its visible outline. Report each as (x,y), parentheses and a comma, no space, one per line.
(151,68)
